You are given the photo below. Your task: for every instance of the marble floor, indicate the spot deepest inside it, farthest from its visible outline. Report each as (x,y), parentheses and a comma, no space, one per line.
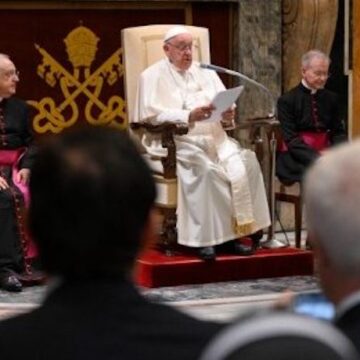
(222,301)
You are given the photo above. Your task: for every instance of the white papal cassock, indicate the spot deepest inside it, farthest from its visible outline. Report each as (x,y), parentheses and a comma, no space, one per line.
(221,193)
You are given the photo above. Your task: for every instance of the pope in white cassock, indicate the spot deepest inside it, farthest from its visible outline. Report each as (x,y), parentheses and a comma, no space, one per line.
(221,194)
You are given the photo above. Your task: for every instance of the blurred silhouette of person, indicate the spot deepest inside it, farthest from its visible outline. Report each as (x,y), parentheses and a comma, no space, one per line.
(16,156)
(221,195)
(91,214)
(332,198)
(310,119)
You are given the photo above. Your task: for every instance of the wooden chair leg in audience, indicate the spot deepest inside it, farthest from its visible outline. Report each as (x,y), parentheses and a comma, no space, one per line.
(297,201)
(169,233)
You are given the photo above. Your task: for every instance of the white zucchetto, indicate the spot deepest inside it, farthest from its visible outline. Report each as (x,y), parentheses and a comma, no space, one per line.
(174,31)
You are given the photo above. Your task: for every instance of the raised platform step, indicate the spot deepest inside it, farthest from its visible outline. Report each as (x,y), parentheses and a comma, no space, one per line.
(155,269)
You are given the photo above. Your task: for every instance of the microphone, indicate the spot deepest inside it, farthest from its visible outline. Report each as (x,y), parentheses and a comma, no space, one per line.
(216,68)
(271,242)
(243,77)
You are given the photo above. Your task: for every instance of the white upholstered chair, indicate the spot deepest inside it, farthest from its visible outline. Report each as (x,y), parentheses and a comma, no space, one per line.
(143,46)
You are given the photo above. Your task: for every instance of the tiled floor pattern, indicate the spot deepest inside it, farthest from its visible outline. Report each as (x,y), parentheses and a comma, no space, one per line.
(217,301)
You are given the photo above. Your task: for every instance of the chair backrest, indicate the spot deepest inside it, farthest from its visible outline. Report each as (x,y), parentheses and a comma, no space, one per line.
(143,46)
(280,336)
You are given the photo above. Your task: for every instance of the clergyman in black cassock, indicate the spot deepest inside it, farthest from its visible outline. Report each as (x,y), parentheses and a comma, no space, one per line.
(308,108)
(16,156)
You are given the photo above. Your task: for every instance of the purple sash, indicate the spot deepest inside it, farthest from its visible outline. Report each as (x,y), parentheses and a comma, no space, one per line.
(12,158)
(316,140)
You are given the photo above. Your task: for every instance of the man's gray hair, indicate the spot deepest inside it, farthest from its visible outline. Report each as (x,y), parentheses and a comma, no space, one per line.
(308,56)
(4,56)
(332,201)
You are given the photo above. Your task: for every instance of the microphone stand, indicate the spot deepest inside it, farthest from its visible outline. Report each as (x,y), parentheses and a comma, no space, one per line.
(271,242)
(246,78)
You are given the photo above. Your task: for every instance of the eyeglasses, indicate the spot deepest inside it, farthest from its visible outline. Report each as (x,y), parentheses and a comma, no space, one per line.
(321,74)
(11,74)
(183,47)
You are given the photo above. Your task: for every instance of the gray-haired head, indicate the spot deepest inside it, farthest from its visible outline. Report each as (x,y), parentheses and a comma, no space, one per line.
(310,55)
(332,200)
(4,56)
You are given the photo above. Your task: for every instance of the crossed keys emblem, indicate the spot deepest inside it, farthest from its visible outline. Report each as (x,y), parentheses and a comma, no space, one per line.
(54,118)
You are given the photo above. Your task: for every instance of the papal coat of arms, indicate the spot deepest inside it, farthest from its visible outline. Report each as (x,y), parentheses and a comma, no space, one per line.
(81,46)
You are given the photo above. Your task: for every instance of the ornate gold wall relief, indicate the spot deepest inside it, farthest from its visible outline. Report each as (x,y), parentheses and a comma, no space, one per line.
(307,24)
(81,46)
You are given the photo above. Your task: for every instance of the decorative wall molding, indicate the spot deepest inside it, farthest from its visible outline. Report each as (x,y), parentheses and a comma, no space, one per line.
(307,24)
(259,53)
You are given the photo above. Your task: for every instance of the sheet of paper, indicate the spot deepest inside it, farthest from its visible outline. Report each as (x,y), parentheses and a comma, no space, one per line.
(223,101)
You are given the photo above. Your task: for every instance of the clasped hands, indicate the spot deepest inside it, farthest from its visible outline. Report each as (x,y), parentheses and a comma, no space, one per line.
(202,113)
(23,177)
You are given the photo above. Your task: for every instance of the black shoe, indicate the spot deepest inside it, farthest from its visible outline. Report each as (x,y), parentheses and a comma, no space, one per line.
(236,247)
(10,282)
(35,277)
(256,237)
(207,253)
(242,249)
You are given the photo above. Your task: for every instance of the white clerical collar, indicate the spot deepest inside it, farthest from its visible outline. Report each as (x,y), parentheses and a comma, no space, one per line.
(313,91)
(182,73)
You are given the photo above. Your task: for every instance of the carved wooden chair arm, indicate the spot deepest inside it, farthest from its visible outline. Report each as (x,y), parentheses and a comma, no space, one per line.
(270,126)
(167,131)
(266,122)
(175,128)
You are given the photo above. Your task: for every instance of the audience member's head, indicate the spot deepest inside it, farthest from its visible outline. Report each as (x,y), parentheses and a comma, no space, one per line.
(92,196)
(9,76)
(178,46)
(332,199)
(280,336)
(315,69)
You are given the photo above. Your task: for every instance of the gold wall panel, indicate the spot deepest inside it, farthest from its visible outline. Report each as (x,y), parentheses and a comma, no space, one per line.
(307,24)
(81,46)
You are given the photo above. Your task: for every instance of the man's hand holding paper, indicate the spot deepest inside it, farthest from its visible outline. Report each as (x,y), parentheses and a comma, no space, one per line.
(201,113)
(223,103)
(228,118)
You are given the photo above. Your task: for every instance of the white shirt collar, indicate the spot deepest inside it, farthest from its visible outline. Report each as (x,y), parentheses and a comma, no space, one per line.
(347,303)
(173,67)
(313,91)
(183,73)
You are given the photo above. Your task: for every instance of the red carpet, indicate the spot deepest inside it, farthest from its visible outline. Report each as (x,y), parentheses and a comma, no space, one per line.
(155,269)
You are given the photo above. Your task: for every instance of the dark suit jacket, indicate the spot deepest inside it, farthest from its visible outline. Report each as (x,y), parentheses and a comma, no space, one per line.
(103,320)
(349,323)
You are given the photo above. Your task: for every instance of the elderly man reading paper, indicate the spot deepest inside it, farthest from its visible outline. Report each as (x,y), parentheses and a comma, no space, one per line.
(221,195)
